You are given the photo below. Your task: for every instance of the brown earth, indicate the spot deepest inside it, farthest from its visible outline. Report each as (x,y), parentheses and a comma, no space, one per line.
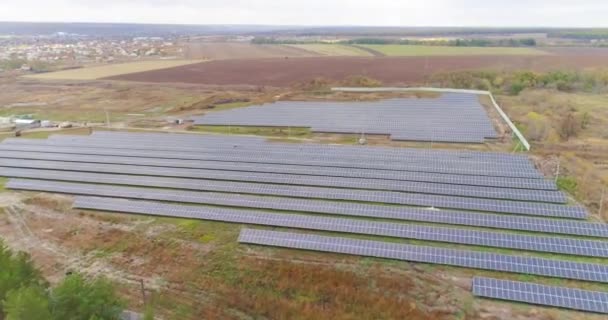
(389,70)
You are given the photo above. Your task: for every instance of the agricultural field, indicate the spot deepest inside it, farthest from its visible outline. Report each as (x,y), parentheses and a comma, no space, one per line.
(420,50)
(388,70)
(232,50)
(98,72)
(333,50)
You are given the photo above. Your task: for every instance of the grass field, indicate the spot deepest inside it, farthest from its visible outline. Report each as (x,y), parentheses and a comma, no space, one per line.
(333,50)
(414,50)
(92,73)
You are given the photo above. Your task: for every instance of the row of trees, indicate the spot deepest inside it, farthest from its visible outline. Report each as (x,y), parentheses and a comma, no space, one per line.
(452,43)
(26,295)
(515,82)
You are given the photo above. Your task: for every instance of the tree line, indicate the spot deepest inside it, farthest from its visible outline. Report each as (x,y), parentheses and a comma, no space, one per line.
(26,295)
(527,42)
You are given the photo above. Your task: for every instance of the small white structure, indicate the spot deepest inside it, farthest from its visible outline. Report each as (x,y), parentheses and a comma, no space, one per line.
(29,123)
(6,120)
(47,124)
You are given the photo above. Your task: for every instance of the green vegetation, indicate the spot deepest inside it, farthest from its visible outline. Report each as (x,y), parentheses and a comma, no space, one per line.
(526,42)
(585,34)
(13,64)
(594,81)
(3,182)
(25,295)
(426,50)
(567,184)
(261,131)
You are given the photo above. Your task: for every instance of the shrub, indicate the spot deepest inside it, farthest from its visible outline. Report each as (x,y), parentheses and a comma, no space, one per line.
(75,298)
(569,127)
(27,303)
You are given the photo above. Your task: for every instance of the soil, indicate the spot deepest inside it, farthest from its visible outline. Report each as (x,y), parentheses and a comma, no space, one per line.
(390,70)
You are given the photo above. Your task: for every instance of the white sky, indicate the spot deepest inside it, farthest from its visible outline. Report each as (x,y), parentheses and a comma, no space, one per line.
(581,13)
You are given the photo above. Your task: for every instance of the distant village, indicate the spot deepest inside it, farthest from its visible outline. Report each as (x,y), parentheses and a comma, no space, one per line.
(25,53)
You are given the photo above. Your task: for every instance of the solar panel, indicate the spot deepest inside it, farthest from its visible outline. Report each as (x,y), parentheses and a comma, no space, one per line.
(244,141)
(290,179)
(582,300)
(443,118)
(499,182)
(559,226)
(282,150)
(426,254)
(294,159)
(397,230)
(487,205)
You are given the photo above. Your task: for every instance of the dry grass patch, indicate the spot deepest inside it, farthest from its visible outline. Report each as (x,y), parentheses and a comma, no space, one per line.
(98,72)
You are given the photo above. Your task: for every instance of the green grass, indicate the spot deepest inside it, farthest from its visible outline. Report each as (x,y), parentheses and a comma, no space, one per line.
(3,182)
(261,131)
(333,49)
(567,184)
(419,50)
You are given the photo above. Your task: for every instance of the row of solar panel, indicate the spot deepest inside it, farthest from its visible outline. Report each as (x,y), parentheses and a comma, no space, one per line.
(592,248)
(485,181)
(487,205)
(275,178)
(378,117)
(427,254)
(583,300)
(273,153)
(559,226)
(309,161)
(261,144)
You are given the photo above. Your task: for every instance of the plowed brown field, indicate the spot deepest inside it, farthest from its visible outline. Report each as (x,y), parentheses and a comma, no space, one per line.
(287,71)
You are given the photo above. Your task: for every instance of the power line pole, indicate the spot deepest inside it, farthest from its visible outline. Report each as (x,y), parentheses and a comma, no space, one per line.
(602,201)
(557,171)
(107,117)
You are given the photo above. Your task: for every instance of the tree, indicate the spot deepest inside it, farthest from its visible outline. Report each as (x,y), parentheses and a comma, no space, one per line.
(27,303)
(569,127)
(78,299)
(17,270)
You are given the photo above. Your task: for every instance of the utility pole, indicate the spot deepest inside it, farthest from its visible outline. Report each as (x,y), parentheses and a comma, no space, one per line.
(558,167)
(143,291)
(601,210)
(107,117)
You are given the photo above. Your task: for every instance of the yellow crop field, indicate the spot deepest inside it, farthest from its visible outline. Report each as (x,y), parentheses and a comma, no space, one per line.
(333,49)
(109,70)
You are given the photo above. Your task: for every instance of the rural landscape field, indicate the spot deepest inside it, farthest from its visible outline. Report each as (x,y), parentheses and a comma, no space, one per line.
(276,172)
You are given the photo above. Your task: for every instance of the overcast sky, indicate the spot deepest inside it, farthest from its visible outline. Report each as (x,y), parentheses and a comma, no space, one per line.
(579,13)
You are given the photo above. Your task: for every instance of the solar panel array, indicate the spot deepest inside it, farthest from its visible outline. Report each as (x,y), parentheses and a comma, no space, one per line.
(583,300)
(439,196)
(398,230)
(558,226)
(303,180)
(427,254)
(414,199)
(452,117)
(443,178)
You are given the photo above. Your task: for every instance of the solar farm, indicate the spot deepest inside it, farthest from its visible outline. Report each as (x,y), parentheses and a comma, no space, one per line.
(481,211)
(452,118)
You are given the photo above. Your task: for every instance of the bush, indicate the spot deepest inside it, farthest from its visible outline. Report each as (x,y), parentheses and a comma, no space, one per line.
(78,299)
(24,294)
(569,127)
(27,303)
